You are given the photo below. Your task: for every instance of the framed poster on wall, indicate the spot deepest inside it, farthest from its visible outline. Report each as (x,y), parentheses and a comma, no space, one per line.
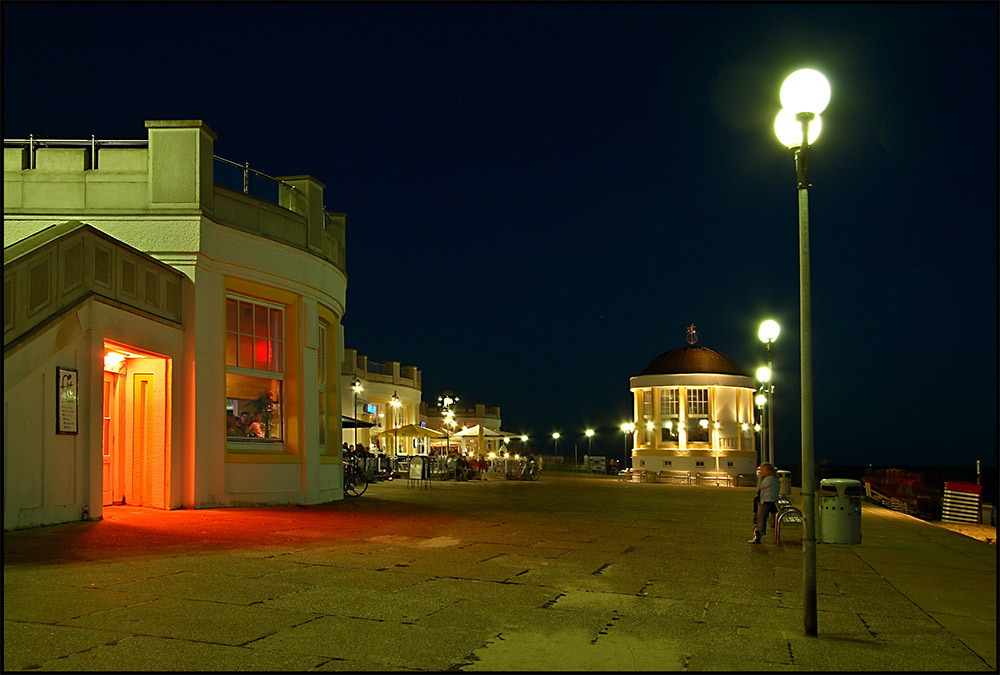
(67,389)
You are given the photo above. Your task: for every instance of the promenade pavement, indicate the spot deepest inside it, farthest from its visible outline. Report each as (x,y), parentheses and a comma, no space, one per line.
(569,573)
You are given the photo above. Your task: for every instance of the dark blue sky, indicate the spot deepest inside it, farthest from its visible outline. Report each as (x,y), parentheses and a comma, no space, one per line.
(541,198)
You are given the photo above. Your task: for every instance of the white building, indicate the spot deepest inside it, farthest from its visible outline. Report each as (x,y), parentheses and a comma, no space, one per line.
(380,382)
(694,412)
(146,308)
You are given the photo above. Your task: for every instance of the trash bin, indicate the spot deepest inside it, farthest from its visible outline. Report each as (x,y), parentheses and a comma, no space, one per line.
(839,511)
(786,482)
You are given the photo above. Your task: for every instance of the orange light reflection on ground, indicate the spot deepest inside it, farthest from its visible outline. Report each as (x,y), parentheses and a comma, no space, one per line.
(128,530)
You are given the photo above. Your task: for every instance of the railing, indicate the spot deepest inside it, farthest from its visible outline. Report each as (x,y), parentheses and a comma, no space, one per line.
(33,144)
(269,190)
(377,367)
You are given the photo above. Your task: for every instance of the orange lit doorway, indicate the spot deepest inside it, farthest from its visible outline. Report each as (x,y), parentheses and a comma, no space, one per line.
(136,438)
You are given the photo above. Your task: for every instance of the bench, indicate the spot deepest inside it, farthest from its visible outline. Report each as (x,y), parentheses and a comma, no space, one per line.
(717,477)
(674,476)
(786,512)
(640,475)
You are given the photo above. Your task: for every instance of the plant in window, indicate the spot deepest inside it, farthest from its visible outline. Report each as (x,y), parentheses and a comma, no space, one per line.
(263,405)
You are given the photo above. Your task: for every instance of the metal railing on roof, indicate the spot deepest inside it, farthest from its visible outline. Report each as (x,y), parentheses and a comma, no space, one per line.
(33,144)
(247,186)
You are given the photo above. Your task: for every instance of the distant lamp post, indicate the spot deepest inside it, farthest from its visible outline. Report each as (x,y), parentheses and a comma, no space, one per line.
(555,442)
(627,428)
(445,401)
(768,333)
(763,399)
(590,447)
(356,386)
(395,403)
(804,95)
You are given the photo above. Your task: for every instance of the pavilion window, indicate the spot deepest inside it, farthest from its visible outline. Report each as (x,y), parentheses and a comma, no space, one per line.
(697,410)
(670,409)
(254,370)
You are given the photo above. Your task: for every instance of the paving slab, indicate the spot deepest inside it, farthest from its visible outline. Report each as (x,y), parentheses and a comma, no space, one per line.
(567,573)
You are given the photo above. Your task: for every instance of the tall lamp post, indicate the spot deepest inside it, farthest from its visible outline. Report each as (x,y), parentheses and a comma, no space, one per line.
(395,403)
(356,386)
(768,333)
(627,428)
(555,442)
(804,95)
(590,447)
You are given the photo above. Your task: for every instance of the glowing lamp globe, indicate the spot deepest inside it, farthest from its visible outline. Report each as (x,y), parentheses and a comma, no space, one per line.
(805,90)
(769,330)
(763,374)
(789,130)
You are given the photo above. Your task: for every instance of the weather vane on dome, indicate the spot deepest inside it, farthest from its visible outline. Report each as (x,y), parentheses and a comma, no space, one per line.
(692,335)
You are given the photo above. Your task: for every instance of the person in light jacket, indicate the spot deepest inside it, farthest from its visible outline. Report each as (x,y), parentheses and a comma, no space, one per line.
(768,486)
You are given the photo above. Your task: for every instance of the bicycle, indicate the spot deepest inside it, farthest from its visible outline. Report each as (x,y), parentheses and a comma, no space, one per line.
(355,481)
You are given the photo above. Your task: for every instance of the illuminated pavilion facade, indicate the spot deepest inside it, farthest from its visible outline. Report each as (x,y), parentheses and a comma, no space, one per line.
(694,412)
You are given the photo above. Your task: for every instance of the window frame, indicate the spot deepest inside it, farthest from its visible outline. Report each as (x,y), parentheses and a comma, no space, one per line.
(278,376)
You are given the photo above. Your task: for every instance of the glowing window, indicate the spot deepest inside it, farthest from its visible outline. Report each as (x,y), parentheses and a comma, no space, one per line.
(254,370)
(697,410)
(697,402)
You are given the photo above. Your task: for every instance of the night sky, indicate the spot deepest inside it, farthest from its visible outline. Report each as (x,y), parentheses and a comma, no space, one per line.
(540,198)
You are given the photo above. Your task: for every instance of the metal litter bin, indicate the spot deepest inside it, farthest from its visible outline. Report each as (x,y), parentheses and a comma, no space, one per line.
(839,511)
(786,482)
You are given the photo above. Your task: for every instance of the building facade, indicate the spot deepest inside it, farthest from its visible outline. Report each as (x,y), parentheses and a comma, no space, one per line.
(168,341)
(383,383)
(694,412)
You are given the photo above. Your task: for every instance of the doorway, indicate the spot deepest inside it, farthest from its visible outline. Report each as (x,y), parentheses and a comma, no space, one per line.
(136,430)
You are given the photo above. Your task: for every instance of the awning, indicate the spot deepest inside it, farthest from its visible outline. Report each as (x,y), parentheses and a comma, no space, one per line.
(473,432)
(351,423)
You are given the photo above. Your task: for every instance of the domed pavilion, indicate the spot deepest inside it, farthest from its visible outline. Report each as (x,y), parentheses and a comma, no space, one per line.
(694,412)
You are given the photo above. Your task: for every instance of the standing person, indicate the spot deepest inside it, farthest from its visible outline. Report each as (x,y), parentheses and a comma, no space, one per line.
(766,500)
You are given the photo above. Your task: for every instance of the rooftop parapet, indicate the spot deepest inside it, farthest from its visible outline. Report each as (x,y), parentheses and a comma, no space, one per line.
(173,172)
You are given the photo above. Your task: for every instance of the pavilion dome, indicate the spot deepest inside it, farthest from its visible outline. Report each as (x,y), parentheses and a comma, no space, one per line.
(688,360)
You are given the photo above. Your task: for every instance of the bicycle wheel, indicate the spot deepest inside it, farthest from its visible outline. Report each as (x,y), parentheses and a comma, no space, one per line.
(356,485)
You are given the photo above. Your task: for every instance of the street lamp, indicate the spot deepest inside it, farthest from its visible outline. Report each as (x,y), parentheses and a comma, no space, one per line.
(395,403)
(804,95)
(768,333)
(356,386)
(590,447)
(555,441)
(627,428)
(445,401)
(764,377)
(761,401)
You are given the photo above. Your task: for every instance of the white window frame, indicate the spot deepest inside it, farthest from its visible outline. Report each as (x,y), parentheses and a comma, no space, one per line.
(239,443)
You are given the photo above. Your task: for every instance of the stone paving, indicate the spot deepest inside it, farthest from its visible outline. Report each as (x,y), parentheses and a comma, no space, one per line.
(569,573)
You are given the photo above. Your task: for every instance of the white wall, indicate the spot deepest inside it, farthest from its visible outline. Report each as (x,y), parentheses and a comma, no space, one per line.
(50,478)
